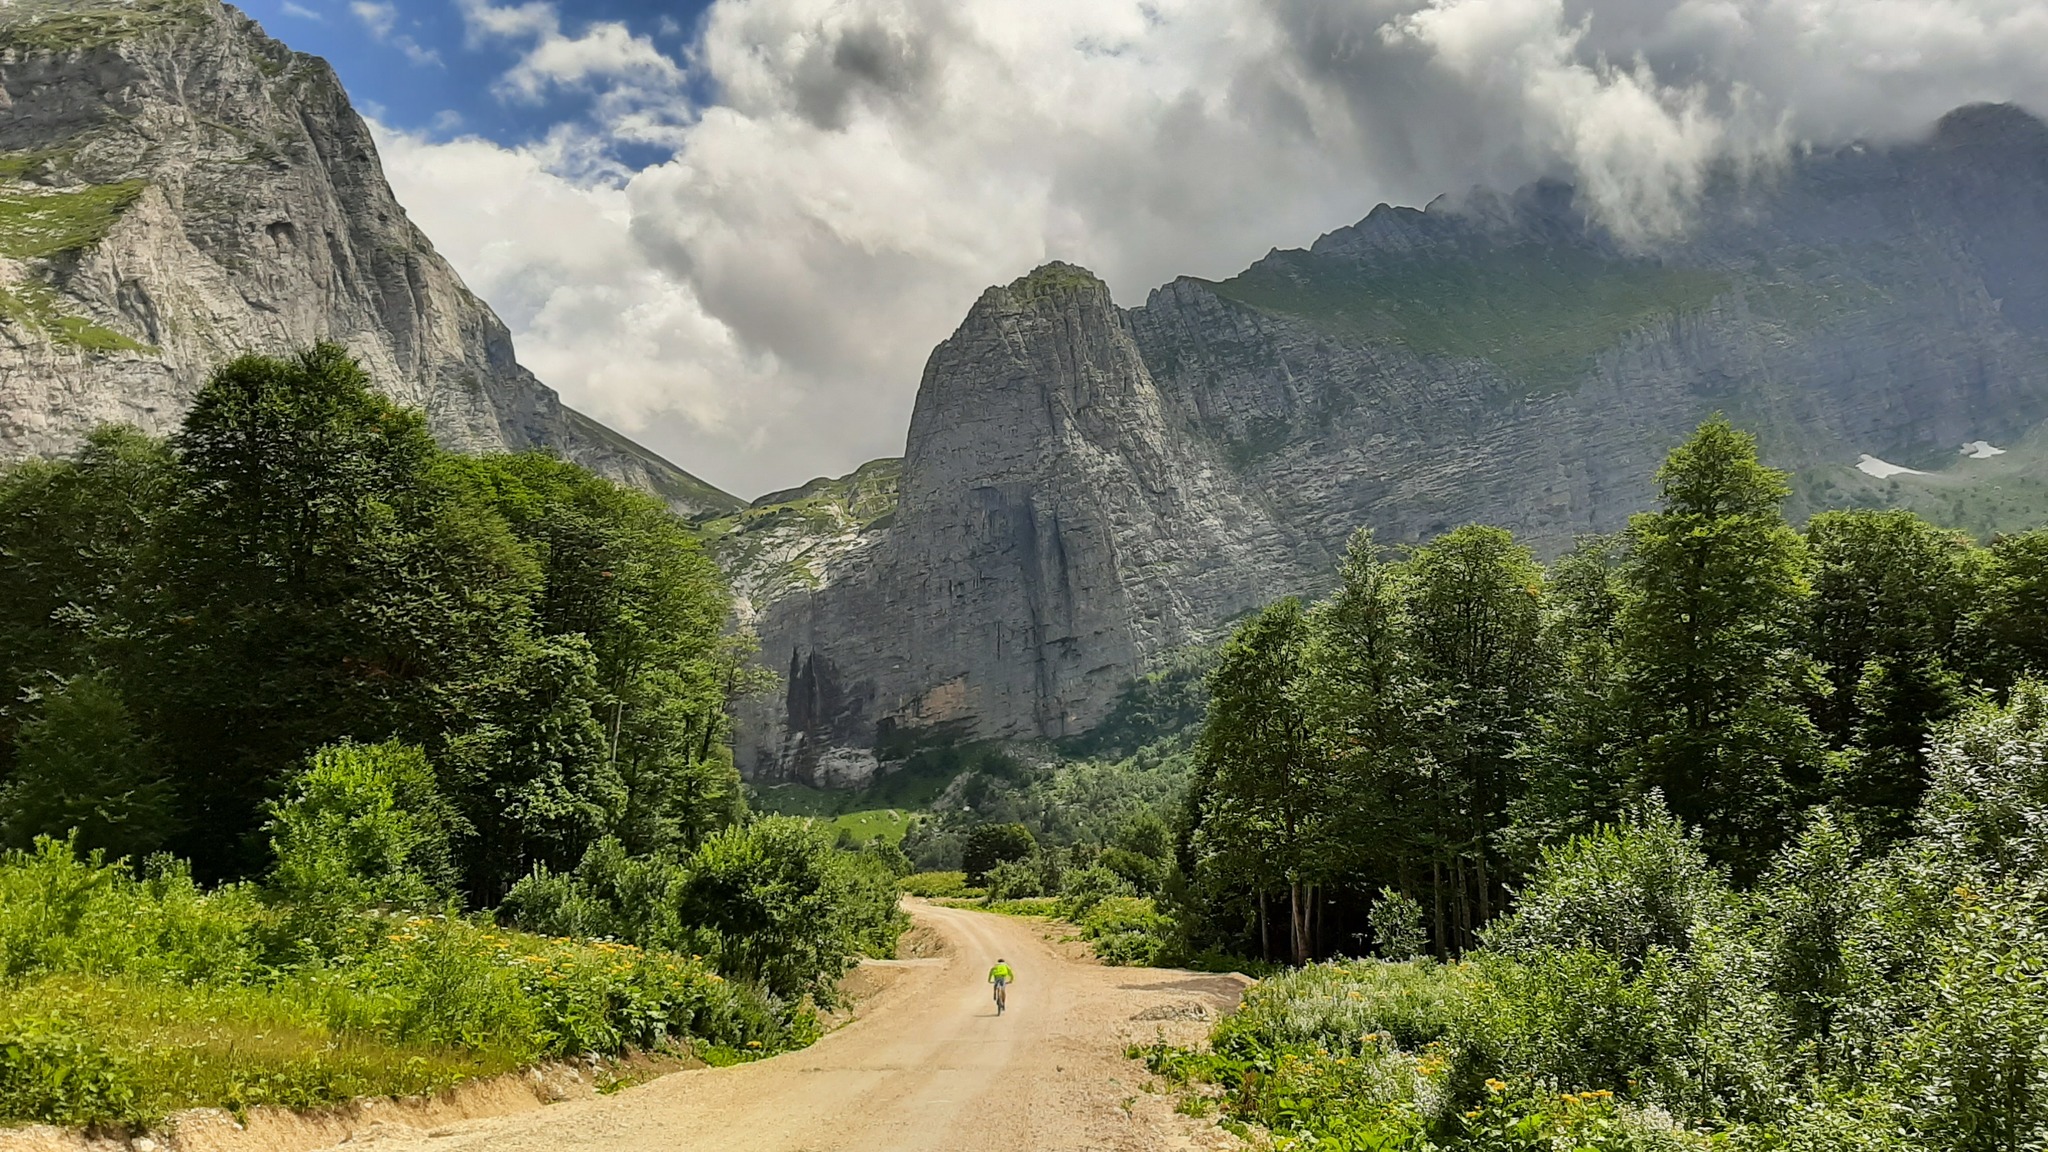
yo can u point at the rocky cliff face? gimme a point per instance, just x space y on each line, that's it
177 188
1086 489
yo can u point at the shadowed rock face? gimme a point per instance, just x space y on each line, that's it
1087 488
177 188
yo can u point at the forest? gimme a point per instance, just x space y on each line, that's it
1716 833
316 739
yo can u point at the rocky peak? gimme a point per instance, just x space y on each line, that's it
177 188
1087 488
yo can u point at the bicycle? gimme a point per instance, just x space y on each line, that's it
1002 998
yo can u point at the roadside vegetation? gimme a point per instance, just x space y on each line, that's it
1717 833
334 764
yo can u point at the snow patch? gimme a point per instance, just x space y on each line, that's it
1871 466
1981 450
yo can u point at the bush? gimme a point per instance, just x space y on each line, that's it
80 770
988 845
1015 880
1972 1073
1346 1007
1625 891
1084 889
63 914
779 905
1397 929
1627 968
1127 930
51 1071
362 825
610 894
127 998
935 885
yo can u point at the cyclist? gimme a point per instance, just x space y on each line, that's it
1000 976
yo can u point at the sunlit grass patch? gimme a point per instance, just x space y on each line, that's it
37 222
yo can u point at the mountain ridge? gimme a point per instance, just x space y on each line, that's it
176 188
1086 488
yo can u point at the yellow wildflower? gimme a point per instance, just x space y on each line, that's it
1493 1085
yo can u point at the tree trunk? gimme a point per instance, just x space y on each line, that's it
1436 898
1265 933
1298 916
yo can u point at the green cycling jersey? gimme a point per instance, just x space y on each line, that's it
1001 972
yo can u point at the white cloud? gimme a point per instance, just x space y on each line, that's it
303 12
760 305
380 19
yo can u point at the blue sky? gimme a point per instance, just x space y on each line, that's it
416 65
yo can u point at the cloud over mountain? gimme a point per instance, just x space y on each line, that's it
846 175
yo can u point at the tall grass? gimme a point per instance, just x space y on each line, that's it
124 997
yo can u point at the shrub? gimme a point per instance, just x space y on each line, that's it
1015 880
1987 799
1972 1074
778 904
1142 873
1397 929
1346 1007
127 998
935 885
1624 891
988 845
50 1070
610 894
1127 930
1084 889
1626 967
80 770
63 914
362 825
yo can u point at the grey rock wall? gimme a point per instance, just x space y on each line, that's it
1086 488
251 214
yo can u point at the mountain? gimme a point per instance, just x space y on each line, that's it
1086 489
177 188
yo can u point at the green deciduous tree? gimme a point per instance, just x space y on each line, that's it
1711 596
988 845
71 535
313 581
1271 816
1479 678
1889 623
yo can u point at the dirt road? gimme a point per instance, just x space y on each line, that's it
928 1065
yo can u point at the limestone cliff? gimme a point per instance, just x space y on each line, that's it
1085 488
177 188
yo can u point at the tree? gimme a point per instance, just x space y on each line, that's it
1474 628
1270 817
71 535
530 775
82 771
991 844
1572 757
1712 592
626 574
314 580
2013 622
1889 623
